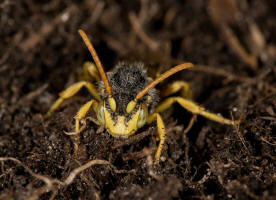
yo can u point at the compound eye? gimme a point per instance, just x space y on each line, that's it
100 113
143 115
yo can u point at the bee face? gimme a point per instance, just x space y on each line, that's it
120 113
120 125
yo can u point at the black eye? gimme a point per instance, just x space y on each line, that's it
143 115
100 113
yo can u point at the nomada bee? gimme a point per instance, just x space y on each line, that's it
126 99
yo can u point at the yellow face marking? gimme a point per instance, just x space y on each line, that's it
130 106
149 98
112 103
121 128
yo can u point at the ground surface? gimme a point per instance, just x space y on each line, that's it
234 47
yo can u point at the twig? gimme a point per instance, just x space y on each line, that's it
237 127
263 139
140 154
116 44
153 45
33 94
46 180
219 14
205 177
236 46
231 77
97 12
190 125
78 170
5 3
74 132
5 57
35 37
150 164
51 183
221 72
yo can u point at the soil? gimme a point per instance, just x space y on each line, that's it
232 44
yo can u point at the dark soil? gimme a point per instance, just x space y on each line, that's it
233 46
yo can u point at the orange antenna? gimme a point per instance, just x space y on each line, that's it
162 77
97 60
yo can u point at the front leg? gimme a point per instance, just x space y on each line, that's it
80 115
161 133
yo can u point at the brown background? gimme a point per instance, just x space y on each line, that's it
232 44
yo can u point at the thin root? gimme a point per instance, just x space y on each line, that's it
50 183
78 132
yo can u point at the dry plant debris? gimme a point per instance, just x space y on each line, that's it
233 44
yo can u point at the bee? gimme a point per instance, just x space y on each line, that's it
126 99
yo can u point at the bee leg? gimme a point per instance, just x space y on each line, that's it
175 87
80 115
71 91
82 112
185 92
195 109
90 72
161 133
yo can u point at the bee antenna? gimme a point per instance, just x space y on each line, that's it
162 77
97 60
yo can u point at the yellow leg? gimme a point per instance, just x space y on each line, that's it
80 115
82 112
90 72
175 87
71 91
161 133
194 108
